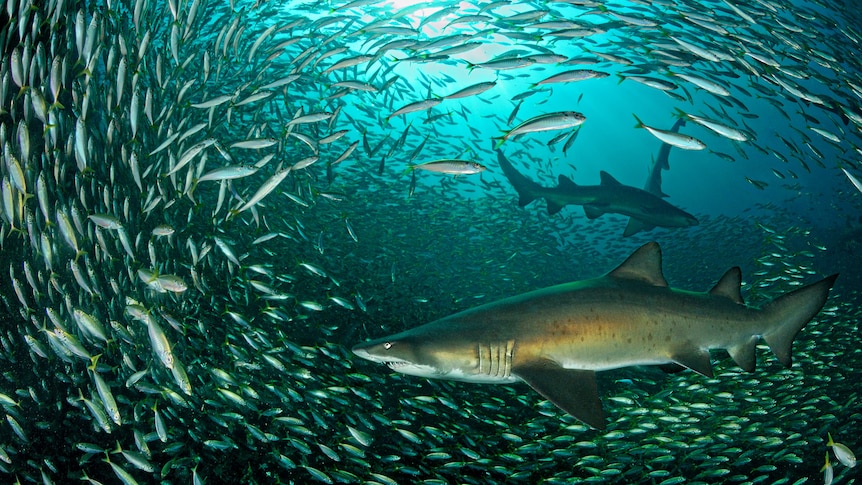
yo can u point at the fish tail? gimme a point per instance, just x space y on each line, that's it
639 122
527 189
788 313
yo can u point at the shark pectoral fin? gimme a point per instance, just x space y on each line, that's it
574 391
743 354
635 226
592 212
695 359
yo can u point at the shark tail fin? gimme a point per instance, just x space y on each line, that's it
790 312
527 190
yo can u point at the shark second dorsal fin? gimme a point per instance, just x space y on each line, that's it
728 286
643 265
572 390
608 179
565 183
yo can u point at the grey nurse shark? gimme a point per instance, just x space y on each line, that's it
556 338
645 207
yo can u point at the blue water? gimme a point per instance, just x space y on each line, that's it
339 253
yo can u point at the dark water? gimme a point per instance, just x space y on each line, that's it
225 344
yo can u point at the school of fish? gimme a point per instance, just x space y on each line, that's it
205 204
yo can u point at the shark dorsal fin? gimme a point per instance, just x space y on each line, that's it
566 182
643 265
728 285
608 179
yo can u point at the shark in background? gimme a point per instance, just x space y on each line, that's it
645 207
556 338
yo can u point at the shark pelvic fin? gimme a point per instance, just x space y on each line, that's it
592 212
643 265
574 391
728 286
695 359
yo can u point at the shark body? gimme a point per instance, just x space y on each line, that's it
645 207
556 338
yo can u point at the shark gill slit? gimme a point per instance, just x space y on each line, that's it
495 358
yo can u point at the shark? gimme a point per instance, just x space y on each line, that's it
645 207
555 339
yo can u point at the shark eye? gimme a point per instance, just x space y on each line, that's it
387 345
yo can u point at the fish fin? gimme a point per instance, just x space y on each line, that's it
671 368
743 354
608 179
592 212
553 207
788 313
527 189
639 122
572 390
564 182
643 265
728 286
695 359
635 226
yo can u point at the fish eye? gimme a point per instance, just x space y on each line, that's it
387 345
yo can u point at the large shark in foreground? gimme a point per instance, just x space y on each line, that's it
555 338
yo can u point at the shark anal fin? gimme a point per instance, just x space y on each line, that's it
572 390
695 359
643 265
743 354
728 286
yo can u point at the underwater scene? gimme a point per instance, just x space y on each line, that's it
225 224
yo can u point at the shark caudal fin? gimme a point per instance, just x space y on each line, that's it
788 313
527 190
